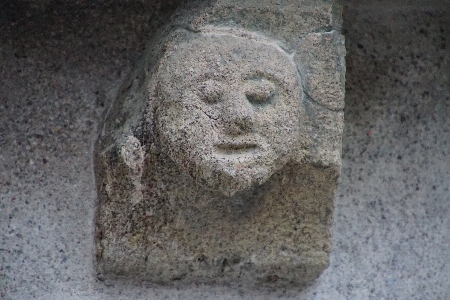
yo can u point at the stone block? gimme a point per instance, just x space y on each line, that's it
219 158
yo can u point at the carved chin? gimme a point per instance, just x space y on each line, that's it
227 179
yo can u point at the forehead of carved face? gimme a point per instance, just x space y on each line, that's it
231 110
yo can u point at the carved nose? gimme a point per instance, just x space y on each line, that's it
237 115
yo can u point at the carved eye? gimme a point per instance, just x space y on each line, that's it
259 91
210 91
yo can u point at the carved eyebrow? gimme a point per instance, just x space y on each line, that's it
210 75
257 75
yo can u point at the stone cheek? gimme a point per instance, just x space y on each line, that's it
221 167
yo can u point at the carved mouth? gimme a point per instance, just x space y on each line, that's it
236 148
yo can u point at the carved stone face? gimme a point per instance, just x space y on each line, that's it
231 110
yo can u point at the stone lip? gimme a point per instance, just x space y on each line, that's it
236 148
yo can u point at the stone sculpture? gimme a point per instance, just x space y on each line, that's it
217 162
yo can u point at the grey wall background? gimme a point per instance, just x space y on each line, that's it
391 234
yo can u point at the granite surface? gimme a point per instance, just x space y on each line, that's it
392 218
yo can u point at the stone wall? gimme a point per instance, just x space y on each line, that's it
60 64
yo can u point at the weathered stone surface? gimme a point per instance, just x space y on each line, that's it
219 159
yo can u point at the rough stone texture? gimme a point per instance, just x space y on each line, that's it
218 161
390 230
